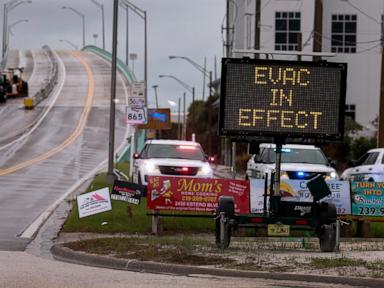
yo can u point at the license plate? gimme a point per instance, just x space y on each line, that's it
278 230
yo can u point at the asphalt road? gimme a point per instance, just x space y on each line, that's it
72 140
13 118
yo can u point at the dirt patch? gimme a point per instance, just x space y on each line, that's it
356 258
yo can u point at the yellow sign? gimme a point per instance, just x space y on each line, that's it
278 230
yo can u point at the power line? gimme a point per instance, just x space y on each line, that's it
362 12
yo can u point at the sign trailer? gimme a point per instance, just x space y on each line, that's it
282 99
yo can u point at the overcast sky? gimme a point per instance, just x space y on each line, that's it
189 28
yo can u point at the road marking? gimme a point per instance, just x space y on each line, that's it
32 229
29 129
75 134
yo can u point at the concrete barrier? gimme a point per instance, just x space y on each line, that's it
48 85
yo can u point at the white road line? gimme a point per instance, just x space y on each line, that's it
62 76
31 231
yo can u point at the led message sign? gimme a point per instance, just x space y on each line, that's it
289 98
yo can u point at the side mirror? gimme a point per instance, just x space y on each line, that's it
136 155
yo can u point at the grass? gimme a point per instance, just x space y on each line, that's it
129 218
326 263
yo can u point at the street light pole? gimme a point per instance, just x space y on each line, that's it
143 15
111 176
189 89
207 74
12 25
10 5
70 43
82 18
157 101
101 6
126 7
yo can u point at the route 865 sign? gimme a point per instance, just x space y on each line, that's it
136 115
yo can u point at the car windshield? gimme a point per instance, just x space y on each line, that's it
290 155
191 152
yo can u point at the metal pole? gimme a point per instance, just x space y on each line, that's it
205 69
210 115
157 101
178 121
184 118
5 14
83 18
127 37
110 175
145 57
102 16
257 26
133 150
318 28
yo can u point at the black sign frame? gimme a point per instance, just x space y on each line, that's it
294 134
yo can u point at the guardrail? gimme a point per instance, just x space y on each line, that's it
49 84
140 135
108 56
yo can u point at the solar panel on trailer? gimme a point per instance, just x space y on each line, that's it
290 98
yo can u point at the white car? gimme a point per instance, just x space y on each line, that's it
370 167
297 162
170 158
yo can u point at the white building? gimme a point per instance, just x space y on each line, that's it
350 28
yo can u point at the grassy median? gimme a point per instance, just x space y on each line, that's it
129 218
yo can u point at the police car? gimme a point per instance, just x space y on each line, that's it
301 162
170 158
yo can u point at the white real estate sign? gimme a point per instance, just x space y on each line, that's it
94 202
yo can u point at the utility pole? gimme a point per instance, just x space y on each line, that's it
299 44
380 132
257 26
178 121
184 118
318 29
110 175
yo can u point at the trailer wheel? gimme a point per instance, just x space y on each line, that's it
226 205
327 238
328 213
223 244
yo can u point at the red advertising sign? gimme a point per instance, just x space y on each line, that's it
195 194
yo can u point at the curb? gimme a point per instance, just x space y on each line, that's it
64 254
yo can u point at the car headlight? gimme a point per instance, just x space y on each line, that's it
331 176
206 169
284 175
150 167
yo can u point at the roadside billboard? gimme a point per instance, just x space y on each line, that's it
195 194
